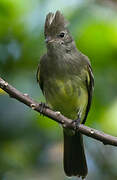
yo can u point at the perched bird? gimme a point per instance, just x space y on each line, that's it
66 79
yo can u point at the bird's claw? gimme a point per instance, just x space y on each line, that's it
76 123
43 106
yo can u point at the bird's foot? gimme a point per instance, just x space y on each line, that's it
76 123
42 107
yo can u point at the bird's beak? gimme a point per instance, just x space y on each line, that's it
48 39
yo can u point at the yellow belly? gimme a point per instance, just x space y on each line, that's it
67 96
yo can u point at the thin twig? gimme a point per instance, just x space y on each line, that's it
57 116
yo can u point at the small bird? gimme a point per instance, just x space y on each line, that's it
66 79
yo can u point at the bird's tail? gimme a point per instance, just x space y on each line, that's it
74 155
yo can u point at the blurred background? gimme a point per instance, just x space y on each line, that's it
31 145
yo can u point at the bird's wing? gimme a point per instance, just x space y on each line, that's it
90 87
38 74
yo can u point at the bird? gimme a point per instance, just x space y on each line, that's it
66 79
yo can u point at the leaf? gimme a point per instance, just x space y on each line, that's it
2 92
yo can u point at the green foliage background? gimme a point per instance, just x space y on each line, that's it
31 145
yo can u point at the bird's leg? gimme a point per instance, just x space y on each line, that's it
78 120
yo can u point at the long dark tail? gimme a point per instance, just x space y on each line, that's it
74 155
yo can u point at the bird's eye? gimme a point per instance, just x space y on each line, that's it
62 34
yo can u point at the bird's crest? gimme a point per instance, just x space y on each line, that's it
54 21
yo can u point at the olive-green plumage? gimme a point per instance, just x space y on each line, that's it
66 79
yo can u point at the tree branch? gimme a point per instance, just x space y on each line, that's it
57 116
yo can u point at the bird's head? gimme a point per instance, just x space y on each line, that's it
56 32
